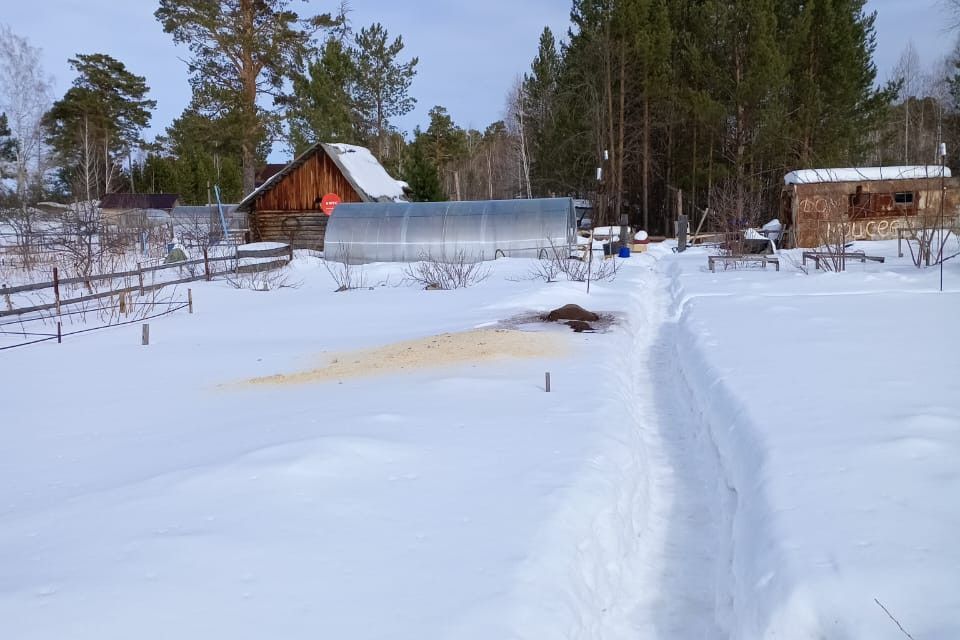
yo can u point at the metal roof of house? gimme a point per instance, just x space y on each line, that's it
864 174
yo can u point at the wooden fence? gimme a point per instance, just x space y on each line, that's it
209 272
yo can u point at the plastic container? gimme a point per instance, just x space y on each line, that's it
624 252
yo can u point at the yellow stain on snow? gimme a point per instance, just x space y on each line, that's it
468 347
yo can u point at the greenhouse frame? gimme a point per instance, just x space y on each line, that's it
472 231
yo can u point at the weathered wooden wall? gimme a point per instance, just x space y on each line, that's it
868 210
290 211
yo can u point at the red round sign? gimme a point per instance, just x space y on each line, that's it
329 203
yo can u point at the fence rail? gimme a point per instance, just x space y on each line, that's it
209 272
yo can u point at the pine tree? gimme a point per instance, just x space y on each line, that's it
321 108
8 146
382 89
98 121
241 51
539 96
196 153
833 95
422 175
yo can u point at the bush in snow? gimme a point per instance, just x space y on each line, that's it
345 275
444 273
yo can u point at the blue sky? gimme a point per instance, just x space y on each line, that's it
470 52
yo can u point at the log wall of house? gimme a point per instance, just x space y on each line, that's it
290 211
869 210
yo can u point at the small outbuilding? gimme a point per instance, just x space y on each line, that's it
294 204
137 210
871 202
471 230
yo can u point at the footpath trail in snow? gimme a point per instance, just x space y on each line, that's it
637 549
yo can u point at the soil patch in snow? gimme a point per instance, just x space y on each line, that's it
478 345
572 312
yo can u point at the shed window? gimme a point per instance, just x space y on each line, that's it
903 197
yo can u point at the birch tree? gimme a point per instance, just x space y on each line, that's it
24 98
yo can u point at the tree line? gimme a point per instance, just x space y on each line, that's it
639 100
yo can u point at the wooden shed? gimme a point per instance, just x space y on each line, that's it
871 203
293 205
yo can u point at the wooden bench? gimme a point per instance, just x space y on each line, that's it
725 260
817 256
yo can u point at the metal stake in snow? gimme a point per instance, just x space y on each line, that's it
547 385
146 335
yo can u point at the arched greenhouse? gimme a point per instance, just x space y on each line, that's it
480 230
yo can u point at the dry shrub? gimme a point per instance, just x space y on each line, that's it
446 273
734 208
261 280
346 276
556 262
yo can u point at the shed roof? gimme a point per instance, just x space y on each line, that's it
164 201
193 211
364 173
865 174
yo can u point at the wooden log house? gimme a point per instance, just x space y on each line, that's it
294 204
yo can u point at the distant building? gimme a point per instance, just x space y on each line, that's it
137 210
293 204
871 202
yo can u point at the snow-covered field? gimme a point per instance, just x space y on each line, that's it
744 454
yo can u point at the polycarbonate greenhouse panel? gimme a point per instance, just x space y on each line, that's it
480 230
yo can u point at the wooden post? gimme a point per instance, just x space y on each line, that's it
679 203
59 334
682 226
190 299
56 288
6 298
206 264
547 386
140 276
146 335
290 246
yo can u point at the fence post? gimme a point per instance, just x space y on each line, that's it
56 289
146 335
59 334
190 299
547 385
206 264
140 276
291 252
6 298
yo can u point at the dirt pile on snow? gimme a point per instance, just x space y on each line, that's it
572 312
435 351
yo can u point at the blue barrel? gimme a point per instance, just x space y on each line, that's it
624 251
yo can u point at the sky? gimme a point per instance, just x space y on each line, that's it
470 52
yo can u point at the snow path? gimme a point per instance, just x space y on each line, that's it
643 561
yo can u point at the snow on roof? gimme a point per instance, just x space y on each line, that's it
863 174
366 174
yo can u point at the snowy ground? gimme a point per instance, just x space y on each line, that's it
745 454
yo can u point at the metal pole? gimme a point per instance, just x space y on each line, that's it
943 194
